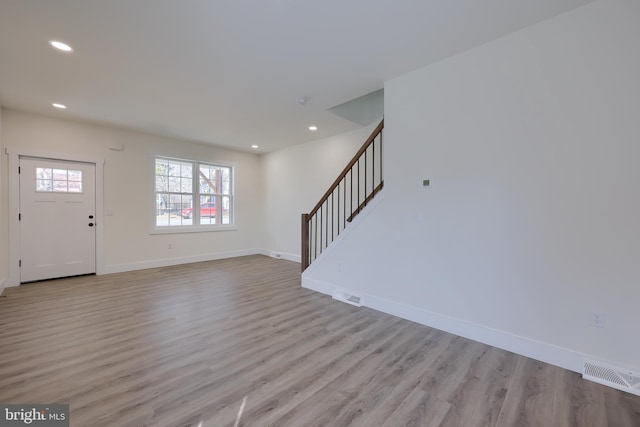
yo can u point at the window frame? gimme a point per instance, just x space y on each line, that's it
195 226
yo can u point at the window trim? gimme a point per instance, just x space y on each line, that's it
193 228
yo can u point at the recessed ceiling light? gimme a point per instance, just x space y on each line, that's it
313 128
60 106
61 46
254 146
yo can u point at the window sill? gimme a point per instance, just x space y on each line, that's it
192 229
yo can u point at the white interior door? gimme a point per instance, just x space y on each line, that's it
57 219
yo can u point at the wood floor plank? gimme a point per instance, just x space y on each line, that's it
418 409
483 392
343 391
403 391
191 345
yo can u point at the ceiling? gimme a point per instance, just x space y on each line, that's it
229 72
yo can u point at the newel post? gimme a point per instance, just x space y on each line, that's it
304 254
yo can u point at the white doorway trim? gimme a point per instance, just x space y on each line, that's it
13 278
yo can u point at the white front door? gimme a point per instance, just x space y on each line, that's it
57 219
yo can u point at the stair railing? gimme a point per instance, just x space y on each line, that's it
354 188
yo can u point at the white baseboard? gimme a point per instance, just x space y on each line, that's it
292 257
317 285
282 255
542 351
4 284
166 262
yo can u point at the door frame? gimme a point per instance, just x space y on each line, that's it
13 278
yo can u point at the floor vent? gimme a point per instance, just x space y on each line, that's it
618 378
345 296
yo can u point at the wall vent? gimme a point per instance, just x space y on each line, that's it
347 297
618 378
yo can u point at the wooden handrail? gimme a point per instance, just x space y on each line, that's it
330 215
346 170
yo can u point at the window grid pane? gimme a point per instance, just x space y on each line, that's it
58 180
226 210
179 204
208 210
215 179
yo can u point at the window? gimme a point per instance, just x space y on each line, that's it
58 180
192 194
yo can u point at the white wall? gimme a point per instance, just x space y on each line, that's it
532 145
128 183
272 190
294 180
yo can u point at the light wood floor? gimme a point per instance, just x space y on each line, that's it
187 345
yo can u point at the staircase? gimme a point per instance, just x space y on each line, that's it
354 188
